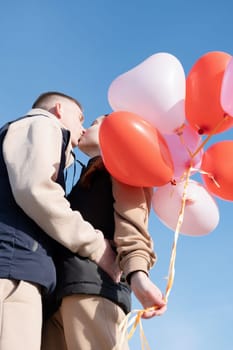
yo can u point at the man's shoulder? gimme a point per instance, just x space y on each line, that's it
36 118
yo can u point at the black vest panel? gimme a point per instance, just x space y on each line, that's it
25 250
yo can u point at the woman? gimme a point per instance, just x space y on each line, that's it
92 304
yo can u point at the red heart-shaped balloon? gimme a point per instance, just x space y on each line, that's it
133 151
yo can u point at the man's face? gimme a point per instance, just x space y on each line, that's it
89 141
72 118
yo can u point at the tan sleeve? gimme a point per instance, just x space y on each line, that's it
32 152
133 241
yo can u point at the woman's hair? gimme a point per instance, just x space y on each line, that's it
47 99
87 176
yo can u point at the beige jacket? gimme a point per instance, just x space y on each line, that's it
32 153
133 241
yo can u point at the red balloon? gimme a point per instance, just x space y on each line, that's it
217 161
203 90
133 151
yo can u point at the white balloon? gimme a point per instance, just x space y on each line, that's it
154 89
201 213
227 89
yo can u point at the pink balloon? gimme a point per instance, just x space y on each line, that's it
154 89
201 214
181 145
227 89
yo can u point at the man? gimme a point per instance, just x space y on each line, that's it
34 150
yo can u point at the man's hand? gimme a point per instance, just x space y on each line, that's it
148 294
107 262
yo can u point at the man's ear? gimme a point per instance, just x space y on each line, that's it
57 110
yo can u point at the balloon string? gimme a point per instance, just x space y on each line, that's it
127 323
143 338
171 273
133 323
209 175
225 118
183 143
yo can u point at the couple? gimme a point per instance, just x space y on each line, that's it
36 219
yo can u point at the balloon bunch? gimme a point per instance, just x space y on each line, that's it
154 137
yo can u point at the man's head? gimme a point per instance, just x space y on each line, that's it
89 141
67 109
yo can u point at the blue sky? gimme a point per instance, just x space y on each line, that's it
80 47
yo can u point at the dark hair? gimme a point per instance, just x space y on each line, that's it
45 97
